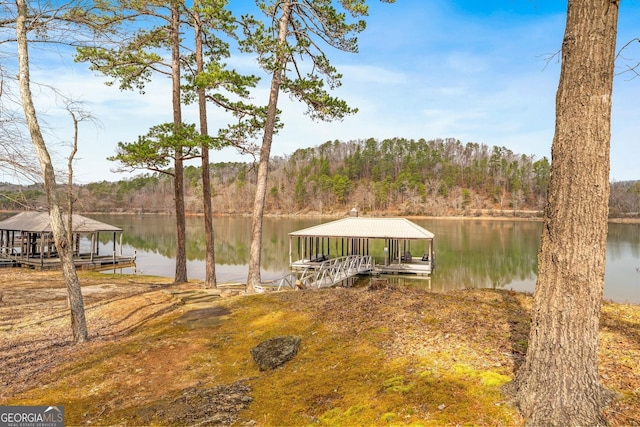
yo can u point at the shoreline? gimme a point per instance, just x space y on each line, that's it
518 216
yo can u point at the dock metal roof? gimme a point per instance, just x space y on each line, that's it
38 222
367 228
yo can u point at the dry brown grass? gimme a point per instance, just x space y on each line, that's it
384 357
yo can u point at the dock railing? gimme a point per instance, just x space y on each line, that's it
325 274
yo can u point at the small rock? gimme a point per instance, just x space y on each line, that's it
442 406
276 351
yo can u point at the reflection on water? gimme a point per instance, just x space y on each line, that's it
469 253
481 253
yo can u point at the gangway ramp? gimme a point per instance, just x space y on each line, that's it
331 272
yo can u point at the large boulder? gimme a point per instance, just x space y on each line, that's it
275 351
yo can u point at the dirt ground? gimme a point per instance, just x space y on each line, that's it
161 354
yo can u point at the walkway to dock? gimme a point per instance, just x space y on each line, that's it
307 274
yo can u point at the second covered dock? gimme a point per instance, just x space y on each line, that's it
396 245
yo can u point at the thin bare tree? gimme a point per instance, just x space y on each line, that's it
63 245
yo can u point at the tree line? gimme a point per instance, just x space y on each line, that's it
391 176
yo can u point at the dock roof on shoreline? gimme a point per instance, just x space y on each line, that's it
367 228
39 222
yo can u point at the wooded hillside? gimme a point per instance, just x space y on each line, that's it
397 176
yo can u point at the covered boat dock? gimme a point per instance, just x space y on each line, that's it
391 245
26 240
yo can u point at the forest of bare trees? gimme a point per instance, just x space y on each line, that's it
392 176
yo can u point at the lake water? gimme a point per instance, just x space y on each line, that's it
469 253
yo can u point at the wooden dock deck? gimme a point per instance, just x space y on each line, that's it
81 262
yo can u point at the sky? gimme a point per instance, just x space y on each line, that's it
478 71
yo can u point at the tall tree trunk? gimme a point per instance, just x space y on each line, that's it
178 178
254 278
558 384
63 246
210 260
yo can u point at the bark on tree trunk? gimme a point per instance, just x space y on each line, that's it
178 178
64 247
558 384
254 278
210 260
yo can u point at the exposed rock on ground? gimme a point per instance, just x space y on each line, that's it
217 406
276 351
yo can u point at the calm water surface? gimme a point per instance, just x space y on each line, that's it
469 253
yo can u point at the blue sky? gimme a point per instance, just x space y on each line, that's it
473 70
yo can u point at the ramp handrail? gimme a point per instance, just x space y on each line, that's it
326 274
